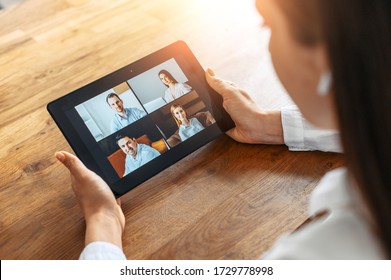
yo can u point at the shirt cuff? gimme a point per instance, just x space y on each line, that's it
293 128
100 250
300 135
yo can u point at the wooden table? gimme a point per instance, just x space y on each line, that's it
225 201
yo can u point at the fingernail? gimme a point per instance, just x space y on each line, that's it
211 72
60 156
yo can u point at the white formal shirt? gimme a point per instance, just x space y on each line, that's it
299 135
179 90
344 232
100 250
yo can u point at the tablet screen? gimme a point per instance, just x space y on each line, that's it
137 121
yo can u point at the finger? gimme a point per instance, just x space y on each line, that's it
217 82
210 72
74 165
119 202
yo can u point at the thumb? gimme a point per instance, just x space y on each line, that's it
213 81
219 85
74 165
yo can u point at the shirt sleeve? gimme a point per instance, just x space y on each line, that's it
100 250
299 135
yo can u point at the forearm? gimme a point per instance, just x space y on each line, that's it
103 227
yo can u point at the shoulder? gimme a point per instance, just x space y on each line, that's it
195 121
147 149
333 191
144 147
183 85
341 235
133 110
344 233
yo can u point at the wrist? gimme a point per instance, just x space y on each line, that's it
270 128
104 226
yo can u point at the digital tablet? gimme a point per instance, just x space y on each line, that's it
142 118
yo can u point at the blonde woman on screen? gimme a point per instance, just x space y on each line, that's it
187 127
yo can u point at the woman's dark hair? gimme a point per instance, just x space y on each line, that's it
357 36
165 72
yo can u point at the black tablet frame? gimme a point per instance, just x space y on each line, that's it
86 148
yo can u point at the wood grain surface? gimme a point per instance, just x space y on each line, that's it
225 201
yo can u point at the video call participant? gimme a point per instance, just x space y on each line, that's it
123 116
187 127
136 154
174 89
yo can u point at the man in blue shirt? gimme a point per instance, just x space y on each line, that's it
136 154
123 116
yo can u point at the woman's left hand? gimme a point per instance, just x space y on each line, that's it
102 212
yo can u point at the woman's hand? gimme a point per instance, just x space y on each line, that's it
253 125
102 212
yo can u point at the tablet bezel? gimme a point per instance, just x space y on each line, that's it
61 111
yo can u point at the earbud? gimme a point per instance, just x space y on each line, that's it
325 81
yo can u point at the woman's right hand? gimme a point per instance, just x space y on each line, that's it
253 125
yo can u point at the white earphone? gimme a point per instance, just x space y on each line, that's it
325 81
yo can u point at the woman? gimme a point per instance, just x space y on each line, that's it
174 89
333 58
187 127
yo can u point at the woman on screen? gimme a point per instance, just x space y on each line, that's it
174 89
187 127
